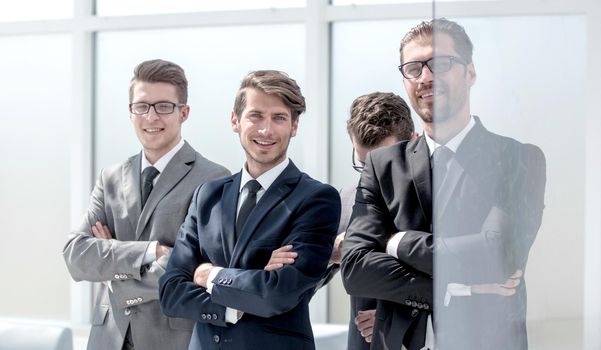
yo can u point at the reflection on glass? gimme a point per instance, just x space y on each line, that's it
492 201
374 2
35 158
140 7
29 10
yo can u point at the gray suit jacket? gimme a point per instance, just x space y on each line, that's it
116 202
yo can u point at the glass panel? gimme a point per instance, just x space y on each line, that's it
29 10
35 202
523 91
140 7
375 2
215 61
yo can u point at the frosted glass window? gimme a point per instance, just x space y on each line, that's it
520 92
29 10
215 61
35 200
374 2
139 7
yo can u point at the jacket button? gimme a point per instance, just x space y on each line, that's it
408 302
414 313
204 316
127 311
426 306
116 276
420 305
214 316
216 338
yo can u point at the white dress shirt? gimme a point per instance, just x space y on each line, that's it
160 165
265 180
453 289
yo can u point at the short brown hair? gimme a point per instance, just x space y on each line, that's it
271 82
377 116
425 30
161 71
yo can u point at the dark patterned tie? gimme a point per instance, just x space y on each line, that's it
148 176
248 205
440 163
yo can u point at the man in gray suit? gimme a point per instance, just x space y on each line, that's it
136 208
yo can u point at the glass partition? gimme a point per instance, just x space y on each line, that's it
35 158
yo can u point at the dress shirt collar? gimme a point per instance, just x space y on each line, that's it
161 164
267 178
452 144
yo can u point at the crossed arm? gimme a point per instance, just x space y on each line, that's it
262 292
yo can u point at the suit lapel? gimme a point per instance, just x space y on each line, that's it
176 169
470 150
280 188
419 162
229 204
131 191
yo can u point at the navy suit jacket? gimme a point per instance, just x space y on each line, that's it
294 210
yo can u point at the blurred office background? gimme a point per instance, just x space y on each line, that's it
66 64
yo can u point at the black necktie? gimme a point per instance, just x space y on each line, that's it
148 176
440 163
248 205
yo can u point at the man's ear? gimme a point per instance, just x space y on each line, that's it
471 74
234 122
185 112
294 127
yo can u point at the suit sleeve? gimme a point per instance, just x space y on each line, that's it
179 296
145 289
268 293
367 270
512 223
98 260
507 232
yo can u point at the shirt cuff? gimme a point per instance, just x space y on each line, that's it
456 290
210 279
393 244
232 315
151 253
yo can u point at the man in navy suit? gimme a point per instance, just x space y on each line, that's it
217 273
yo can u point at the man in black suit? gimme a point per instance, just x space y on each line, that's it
460 194
217 274
376 120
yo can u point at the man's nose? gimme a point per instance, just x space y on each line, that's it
265 127
426 75
152 114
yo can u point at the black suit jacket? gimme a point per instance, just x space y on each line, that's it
485 217
295 210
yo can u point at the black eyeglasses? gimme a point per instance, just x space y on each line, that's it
437 64
140 108
358 168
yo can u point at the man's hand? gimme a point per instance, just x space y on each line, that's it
506 289
101 231
162 250
337 250
280 257
201 274
365 323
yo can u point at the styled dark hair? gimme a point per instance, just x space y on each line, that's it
161 71
271 82
377 116
424 32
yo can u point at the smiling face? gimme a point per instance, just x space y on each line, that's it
444 97
158 134
265 128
